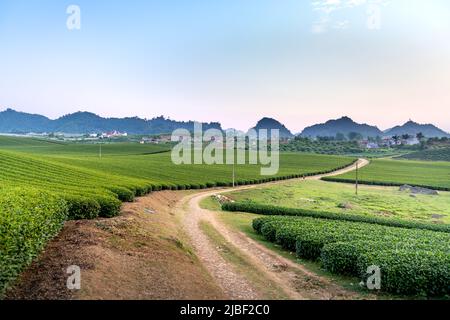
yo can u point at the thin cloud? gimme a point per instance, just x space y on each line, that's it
325 8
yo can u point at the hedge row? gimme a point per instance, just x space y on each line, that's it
28 219
412 261
383 183
82 206
424 273
270 210
428 267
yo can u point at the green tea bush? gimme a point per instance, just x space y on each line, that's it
348 248
262 209
29 218
123 194
109 206
342 257
410 272
82 208
384 183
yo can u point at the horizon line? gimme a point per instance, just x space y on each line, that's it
219 122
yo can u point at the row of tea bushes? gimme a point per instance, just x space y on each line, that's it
28 219
269 210
412 261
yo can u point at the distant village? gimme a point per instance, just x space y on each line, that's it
405 140
366 143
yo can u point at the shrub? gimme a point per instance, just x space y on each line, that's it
342 257
268 230
257 224
123 194
412 261
109 206
28 220
82 208
141 191
411 272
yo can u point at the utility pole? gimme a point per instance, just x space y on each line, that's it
234 173
100 151
356 180
234 158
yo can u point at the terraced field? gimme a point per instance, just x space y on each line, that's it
435 175
91 176
127 170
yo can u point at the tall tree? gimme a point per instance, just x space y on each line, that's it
405 136
420 136
354 136
396 138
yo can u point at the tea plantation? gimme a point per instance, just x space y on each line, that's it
434 175
43 183
412 261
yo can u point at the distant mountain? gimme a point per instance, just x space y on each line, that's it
12 121
270 124
413 128
344 125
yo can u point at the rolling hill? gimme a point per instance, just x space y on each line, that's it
413 128
12 121
271 124
344 125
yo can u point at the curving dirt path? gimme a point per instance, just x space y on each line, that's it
294 280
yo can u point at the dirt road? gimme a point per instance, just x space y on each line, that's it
295 281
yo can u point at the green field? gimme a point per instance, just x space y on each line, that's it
62 149
330 147
340 198
74 169
48 182
435 175
439 154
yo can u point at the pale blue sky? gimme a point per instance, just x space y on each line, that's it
232 61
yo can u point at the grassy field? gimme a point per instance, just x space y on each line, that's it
341 198
396 172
